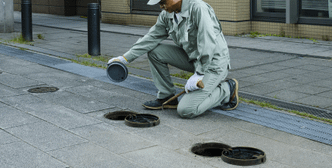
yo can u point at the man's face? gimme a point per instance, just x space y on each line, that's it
169 5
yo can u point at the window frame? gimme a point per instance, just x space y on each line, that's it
281 18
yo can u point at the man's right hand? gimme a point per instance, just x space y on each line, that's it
119 59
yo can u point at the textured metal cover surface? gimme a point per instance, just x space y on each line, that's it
243 156
43 90
142 120
117 71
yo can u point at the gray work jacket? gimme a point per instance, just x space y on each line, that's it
198 32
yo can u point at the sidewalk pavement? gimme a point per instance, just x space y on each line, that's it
67 128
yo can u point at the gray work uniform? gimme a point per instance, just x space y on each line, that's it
200 47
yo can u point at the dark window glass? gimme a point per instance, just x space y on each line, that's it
269 10
316 8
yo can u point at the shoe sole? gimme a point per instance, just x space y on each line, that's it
158 108
235 95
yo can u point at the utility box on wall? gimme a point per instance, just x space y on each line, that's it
6 16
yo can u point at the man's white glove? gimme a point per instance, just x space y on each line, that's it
191 84
119 58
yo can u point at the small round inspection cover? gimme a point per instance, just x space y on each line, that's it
117 71
142 120
118 115
244 156
43 89
211 149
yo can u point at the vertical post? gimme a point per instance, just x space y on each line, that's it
292 11
93 29
26 19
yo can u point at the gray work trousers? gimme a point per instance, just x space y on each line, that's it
192 104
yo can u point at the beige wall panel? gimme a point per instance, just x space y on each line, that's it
39 2
57 10
293 30
121 6
144 20
17 7
40 9
235 28
57 2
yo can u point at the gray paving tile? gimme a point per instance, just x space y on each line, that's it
260 89
6 138
327 94
10 117
309 89
75 102
110 137
311 67
161 157
90 155
16 81
316 101
59 78
287 95
167 136
45 136
302 78
63 117
8 91
294 71
23 102
19 154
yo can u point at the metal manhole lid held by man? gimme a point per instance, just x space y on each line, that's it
200 48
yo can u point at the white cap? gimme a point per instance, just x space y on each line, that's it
153 2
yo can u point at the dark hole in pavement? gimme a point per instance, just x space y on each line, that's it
244 156
43 90
211 149
118 115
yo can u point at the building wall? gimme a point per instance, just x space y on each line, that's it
58 7
234 16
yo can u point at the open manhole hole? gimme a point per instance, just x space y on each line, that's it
43 89
211 149
142 120
243 156
118 115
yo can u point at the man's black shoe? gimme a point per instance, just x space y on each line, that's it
234 98
157 104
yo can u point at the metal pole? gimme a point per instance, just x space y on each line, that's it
26 18
93 29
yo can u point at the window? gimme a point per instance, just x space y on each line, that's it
314 12
269 10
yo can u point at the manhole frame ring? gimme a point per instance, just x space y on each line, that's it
142 125
244 162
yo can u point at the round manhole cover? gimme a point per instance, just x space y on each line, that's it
118 115
43 89
142 120
243 156
211 149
